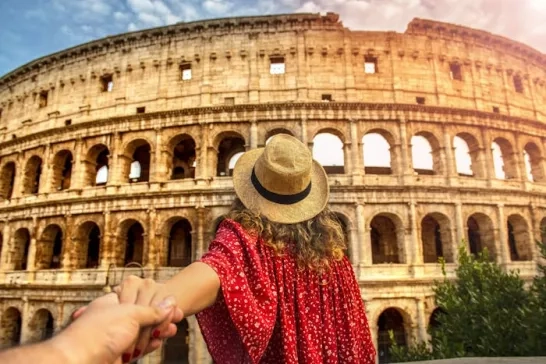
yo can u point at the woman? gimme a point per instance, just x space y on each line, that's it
275 286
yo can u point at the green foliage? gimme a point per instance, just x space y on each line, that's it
486 312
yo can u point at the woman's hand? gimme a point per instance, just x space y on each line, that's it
147 292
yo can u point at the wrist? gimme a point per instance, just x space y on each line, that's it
67 350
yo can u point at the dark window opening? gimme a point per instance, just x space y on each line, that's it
140 110
518 84
42 100
496 109
277 66
107 83
512 243
179 254
93 248
57 251
135 244
326 97
420 100
68 122
456 71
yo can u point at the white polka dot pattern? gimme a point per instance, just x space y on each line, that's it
269 311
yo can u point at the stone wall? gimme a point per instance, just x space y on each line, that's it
90 182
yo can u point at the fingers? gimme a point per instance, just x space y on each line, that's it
145 294
78 312
128 290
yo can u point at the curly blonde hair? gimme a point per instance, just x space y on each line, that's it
315 242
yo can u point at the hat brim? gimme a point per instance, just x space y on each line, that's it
304 210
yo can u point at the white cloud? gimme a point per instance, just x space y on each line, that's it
151 13
521 20
86 28
217 7
119 16
132 27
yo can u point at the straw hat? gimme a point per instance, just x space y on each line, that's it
281 181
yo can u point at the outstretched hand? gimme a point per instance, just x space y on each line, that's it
106 328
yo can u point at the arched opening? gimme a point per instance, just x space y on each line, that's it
96 166
7 181
519 241
377 154
21 247
136 164
176 349
384 233
179 253
467 155
228 147
425 154
504 160
436 238
134 244
434 321
10 328
328 151
533 163
42 325
87 245
62 170
183 161
389 320
33 172
274 132
49 248
481 235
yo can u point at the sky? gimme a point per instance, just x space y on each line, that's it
33 28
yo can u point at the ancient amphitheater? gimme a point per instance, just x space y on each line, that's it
116 157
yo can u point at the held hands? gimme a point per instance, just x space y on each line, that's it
147 292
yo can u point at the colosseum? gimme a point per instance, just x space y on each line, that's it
115 158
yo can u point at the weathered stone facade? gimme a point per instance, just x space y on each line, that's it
117 153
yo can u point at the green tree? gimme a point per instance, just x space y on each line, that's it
486 312
537 316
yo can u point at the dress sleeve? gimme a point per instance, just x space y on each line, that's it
238 327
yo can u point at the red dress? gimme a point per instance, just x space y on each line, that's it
272 312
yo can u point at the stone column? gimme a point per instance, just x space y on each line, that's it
45 178
486 160
356 154
26 333
158 171
365 243
536 233
347 159
19 179
78 168
31 260
460 229
151 245
7 246
106 248
416 246
303 130
354 246
449 156
502 242
200 227
201 169
70 256
253 135
114 173
405 162
421 320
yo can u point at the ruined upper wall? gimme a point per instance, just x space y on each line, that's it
230 63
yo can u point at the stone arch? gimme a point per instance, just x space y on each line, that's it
468 155
176 349
504 159
135 163
42 325
533 163
397 321
10 328
97 166
378 152
61 170
481 234
229 144
329 151
7 180
387 238
49 248
33 173
132 241
345 226
21 247
183 161
436 238
271 133
426 154
87 243
519 240
179 243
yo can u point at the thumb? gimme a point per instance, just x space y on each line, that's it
147 315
